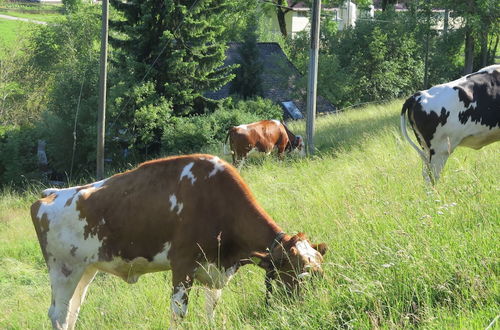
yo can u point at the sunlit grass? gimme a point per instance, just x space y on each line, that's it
401 254
10 31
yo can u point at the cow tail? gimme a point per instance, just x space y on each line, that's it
225 141
407 106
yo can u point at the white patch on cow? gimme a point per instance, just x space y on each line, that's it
179 208
218 166
306 250
212 276
491 68
162 257
178 303
186 172
243 127
433 99
99 184
174 204
66 231
277 122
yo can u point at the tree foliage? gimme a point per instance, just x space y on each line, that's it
248 80
179 46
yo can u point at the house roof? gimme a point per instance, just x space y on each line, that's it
279 78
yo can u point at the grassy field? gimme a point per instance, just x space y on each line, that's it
10 31
400 253
35 11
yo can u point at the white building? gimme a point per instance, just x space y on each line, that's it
297 20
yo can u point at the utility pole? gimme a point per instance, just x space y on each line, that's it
312 78
101 115
427 37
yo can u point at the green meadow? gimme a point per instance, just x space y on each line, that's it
401 254
34 11
10 31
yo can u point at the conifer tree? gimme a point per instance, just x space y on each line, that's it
248 80
175 44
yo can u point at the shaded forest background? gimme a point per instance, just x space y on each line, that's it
164 55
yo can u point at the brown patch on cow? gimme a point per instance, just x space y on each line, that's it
50 198
65 270
41 224
87 186
69 201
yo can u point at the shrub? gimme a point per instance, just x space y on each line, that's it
18 154
184 135
200 133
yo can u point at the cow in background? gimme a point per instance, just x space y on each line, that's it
464 112
262 136
191 214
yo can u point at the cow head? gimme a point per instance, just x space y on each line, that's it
298 144
293 261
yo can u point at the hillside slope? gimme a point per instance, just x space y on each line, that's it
400 253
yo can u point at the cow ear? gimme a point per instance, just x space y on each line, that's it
262 260
321 248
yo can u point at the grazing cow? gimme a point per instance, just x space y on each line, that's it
191 214
464 112
262 136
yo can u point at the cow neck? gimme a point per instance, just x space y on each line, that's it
291 136
263 234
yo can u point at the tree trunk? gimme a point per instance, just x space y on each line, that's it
493 50
387 3
446 21
469 51
484 47
280 13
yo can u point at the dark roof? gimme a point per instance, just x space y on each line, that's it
279 77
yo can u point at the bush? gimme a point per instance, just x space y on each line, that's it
18 155
184 135
200 133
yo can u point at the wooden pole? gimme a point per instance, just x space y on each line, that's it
312 79
427 37
101 114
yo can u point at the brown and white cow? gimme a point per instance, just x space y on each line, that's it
464 112
191 214
263 136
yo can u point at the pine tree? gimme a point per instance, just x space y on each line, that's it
248 80
175 44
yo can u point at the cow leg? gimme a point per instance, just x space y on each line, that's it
437 162
79 295
182 283
240 159
212 296
281 152
64 282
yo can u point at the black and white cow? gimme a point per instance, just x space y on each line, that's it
464 112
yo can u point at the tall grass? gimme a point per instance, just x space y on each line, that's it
401 254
